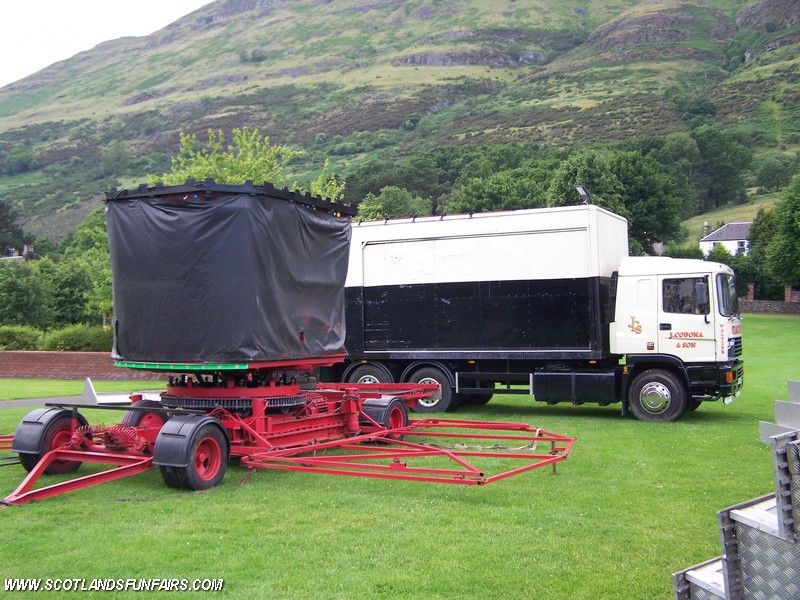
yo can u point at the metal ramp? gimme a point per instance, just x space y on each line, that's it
760 538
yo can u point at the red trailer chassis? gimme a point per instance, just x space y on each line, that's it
269 421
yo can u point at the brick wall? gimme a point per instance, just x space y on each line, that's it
68 365
769 306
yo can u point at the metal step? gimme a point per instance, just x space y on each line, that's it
768 565
794 392
701 582
760 545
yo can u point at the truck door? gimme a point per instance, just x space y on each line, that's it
685 320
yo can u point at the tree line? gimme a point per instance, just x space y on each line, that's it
654 183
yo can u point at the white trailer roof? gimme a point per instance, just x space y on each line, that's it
551 243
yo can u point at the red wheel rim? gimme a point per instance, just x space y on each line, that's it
151 421
207 458
61 440
396 418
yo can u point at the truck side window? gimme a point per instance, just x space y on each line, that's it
686 295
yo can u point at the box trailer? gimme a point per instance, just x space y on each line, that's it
544 302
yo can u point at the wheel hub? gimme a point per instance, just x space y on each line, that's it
434 399
655 398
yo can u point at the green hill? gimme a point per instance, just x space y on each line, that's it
359 79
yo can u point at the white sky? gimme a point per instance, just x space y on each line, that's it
34 34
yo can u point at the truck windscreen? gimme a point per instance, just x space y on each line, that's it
726 292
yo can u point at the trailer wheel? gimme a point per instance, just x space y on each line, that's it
171 477
369 374
207 459
150 419
441 401
657 395
396 417
56 428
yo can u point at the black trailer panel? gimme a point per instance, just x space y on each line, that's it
217 273
545 319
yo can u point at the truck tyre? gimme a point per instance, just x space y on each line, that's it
657 395
441 401
369 374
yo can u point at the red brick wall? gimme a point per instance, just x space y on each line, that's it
68 365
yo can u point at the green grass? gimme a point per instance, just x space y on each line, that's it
634 503
732 213
16 389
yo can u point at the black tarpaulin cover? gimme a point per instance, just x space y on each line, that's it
225 277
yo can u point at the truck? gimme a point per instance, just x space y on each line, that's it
544 302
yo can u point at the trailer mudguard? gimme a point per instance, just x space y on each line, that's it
30 433
377 409
174 442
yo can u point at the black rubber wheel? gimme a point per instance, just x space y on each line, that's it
474 399
208 459
149 419
657 395
170 477
57 433
441 401
369 374
396 416
693 404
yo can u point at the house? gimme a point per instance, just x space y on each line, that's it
734 236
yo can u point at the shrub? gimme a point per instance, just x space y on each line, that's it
78 338
19 337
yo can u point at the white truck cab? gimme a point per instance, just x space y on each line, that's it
677 319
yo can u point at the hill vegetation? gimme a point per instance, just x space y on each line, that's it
452 102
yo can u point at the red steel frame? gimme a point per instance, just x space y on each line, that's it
326 435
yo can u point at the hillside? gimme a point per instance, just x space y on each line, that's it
356 79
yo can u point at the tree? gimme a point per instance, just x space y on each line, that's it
327 185
87 252
26 296
773 174
11 235
753 268
115 159
506 190
679 157
719 253
591 169
721 170
650 199
783 252
393 202
20 160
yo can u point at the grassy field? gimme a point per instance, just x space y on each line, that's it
732 213
634 503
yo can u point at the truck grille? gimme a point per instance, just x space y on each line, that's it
734 347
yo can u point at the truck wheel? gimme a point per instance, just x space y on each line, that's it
474 399
443 400
657 395
369 374
149 419
477 399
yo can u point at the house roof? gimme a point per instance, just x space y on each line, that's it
729 232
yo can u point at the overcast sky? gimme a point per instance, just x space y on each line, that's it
37 33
